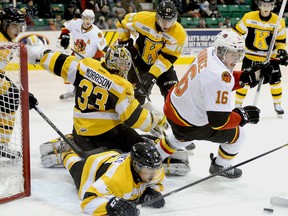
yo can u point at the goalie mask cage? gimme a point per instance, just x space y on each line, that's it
14 122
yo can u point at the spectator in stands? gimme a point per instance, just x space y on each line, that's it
105 11
111 22
227 23
71 12
44 9
204 8
191 8
99 4
118 10
241 2
57 23
28 19
134 3
221 25
214 9
31 10
101 24
202 23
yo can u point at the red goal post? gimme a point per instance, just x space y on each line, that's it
15 179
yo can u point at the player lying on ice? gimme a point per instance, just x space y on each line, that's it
106 111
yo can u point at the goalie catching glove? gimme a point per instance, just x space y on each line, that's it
249 114
250 75
35 49
118 206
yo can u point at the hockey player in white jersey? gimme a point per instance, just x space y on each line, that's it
199 107
88 41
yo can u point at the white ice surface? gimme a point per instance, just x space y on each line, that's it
53 192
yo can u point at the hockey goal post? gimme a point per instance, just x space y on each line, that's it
15 179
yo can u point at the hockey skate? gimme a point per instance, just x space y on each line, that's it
278 109
8 153
215 168
66 96
177 164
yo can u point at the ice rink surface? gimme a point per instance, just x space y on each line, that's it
53 192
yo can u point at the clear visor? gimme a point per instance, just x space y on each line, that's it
235 56
88 21
21 27
147 174
164 23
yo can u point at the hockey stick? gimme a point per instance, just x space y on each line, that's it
75 148
139 78
271 46
213 175
77 53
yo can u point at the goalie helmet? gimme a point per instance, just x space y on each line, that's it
119 60
146 161
88 18
166 14
229 40
11 15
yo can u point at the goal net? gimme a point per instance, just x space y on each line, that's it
14 122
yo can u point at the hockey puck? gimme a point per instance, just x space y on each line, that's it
268 210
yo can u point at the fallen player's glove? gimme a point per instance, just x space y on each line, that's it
118 206
150 194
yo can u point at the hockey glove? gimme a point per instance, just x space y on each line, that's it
35 49
248 76
150 194
119 207
249 114
65 40
147 83
32 101
158 124
283 57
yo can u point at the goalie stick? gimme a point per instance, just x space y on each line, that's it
75 148
213 175
271 46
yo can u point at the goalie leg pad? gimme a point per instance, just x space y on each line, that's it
177 164
52 161
55 146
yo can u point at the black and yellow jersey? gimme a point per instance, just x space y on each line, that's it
117 180
158 49
258 34
4 53
103 100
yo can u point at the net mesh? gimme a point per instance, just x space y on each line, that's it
11 110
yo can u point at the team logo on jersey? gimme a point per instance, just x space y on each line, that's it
226 77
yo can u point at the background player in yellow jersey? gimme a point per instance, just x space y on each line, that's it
112 184
12 23
258 27
159 41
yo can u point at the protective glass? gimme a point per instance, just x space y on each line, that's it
147 174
